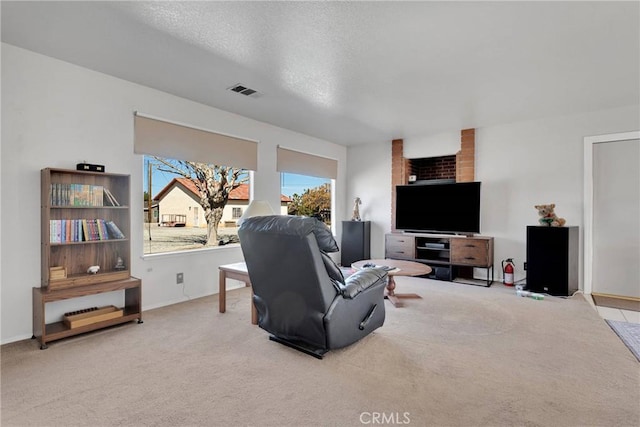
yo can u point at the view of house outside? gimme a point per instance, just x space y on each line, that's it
175 219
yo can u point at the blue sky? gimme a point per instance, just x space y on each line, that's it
290 183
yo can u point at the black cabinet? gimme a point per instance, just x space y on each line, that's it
356 242
552 260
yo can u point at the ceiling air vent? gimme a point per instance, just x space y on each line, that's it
243 90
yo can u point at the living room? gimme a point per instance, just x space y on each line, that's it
56 114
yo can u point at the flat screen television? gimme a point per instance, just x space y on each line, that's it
438 208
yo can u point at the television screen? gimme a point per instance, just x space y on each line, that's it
439 208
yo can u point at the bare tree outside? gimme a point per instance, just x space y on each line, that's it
214 183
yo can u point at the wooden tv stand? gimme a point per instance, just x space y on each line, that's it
451 257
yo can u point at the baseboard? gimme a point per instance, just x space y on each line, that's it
16 339
472 281
616 301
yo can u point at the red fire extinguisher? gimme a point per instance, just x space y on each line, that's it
508 268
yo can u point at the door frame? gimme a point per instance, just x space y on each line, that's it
589 142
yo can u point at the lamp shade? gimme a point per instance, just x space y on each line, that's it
256 208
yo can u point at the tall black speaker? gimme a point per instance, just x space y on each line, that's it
356 242
552 260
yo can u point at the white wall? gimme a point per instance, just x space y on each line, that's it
442 144
519 164
369 177
55 114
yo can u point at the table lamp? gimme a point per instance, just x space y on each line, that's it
256 208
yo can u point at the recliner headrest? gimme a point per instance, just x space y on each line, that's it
293 225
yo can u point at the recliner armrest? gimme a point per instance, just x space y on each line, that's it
362 280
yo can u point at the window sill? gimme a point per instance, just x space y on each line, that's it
189 252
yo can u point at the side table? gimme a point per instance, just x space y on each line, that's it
236 271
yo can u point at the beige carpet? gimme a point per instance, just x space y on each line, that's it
461 356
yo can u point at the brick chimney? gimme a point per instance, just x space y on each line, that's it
466 157
399 174
463 169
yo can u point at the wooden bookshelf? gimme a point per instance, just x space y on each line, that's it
67 200
47 332
79 210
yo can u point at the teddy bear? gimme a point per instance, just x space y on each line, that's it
548 217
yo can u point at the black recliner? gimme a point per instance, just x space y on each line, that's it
300 294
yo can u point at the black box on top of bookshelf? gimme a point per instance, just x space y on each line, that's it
89 167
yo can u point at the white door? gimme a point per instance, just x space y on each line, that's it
612 244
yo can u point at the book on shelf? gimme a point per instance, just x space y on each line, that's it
93 230
108 200
76 195
55 235
101 228
98 230
66 229
85 230
97 195
114 230
82 230
110 197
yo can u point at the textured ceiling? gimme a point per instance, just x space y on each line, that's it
355 72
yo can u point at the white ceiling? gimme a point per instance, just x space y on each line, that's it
355 72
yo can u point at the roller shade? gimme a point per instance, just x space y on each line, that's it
306 164
164 139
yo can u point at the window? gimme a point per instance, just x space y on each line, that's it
307 195
183 208
179 221
307 182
